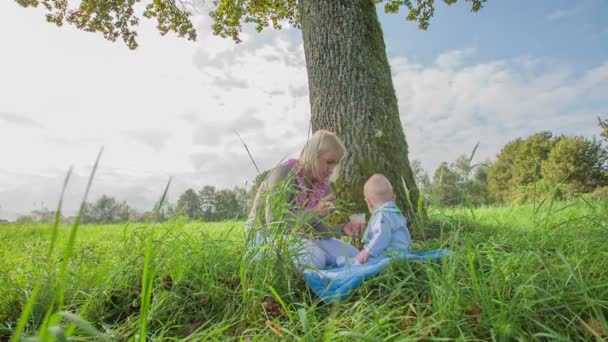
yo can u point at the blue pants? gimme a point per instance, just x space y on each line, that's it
317 253
321 253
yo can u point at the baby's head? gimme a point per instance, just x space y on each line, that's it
377 190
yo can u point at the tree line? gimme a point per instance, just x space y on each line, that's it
207 204
527 169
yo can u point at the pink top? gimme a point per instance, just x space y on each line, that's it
308 198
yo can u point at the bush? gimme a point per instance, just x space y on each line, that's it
599 194
539 191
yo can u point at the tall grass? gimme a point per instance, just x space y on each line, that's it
528 272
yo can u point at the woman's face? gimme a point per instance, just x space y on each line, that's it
326 162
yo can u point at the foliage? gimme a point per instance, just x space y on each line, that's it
548 167
119 19
501 172
517 165
231 204
42 215
189 205
461 183
578 163
604 126
421 177
599 194
530 156
230 15
107 210
445 190
208 202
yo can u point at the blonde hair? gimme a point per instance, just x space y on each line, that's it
321 141
378 188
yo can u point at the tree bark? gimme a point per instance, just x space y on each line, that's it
352 94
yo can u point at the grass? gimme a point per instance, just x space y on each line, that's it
517 273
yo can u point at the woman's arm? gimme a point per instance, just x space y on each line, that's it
261 210
277 191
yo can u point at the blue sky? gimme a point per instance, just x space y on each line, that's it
571 32
170 108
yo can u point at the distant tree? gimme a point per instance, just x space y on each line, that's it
444 190
421 177
105 210
604 126
472 181
25 219
170 211
242 198
151 216
208 200
158 213
87 213
530 156
500 174
43 215
579 164
123 213
517 166
189 205
227 205
479 185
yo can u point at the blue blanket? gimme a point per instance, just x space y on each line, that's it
333 285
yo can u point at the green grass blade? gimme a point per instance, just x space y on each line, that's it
83 325
67 253
25 314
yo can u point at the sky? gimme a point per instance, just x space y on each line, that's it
173 108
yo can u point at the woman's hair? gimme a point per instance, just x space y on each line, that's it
322 141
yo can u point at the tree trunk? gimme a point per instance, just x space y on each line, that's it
352 94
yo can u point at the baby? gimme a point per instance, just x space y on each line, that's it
386 230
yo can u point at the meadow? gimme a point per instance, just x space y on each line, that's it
532 272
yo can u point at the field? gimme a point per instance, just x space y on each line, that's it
517 273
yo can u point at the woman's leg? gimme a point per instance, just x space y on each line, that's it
335 248
308 253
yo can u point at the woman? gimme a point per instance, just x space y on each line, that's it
303 186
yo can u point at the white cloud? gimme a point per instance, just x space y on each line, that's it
562 13
445 111
153 139
16 119
453 59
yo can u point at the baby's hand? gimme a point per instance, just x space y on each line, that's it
363 256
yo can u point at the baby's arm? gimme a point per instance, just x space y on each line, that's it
380 240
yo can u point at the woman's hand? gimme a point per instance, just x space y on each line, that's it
326 205
354 229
